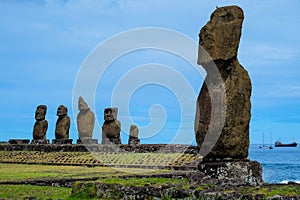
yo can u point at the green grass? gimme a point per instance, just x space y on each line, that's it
272 190
40 192
19 172
143 181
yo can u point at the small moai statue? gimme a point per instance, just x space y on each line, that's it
62 126
134 135
85 123
111 127
40 126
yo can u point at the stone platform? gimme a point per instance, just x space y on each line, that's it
233 173
85 147
62 141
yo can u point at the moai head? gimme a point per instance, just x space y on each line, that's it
82 105
110 114
62 111
40 112
220 37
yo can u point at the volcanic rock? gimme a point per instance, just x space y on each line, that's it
133 135
223 106
85 120
41 124
62 124
111 127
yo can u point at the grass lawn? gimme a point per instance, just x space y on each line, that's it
40 192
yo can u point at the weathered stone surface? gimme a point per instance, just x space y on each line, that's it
18 141
233 173
134 132
85 120
220 37
111 127
226 91
62 141
41 124
133 135
87 141
62 124
40 141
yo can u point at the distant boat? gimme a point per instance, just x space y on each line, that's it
271 147
279 144
263 145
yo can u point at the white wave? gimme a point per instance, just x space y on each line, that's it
287 181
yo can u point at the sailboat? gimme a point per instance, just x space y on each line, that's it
263 146
271 147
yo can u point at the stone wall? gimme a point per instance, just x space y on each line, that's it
143 148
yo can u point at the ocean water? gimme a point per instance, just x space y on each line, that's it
280 164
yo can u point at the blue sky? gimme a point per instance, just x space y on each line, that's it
44 43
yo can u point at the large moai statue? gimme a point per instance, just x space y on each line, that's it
40 126
85 123
225 94
111 127
133 135
62 126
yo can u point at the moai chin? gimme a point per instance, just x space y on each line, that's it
40 126
62 126
111 127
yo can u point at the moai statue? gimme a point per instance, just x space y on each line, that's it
111 127
134 135
85 123
62 126
40 126
223 106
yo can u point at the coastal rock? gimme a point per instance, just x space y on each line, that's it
133 135
111 127
41 124
226 91
232 173
62 124
85 120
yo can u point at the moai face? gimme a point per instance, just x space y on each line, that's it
40 112
62 111
110 114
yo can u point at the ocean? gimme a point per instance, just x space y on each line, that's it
280 164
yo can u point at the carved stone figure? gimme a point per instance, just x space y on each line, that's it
62 123
111 127
134 135
40 126
85 120
62 126
223 106
218 47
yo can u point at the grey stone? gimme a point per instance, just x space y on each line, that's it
85 120
233 173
